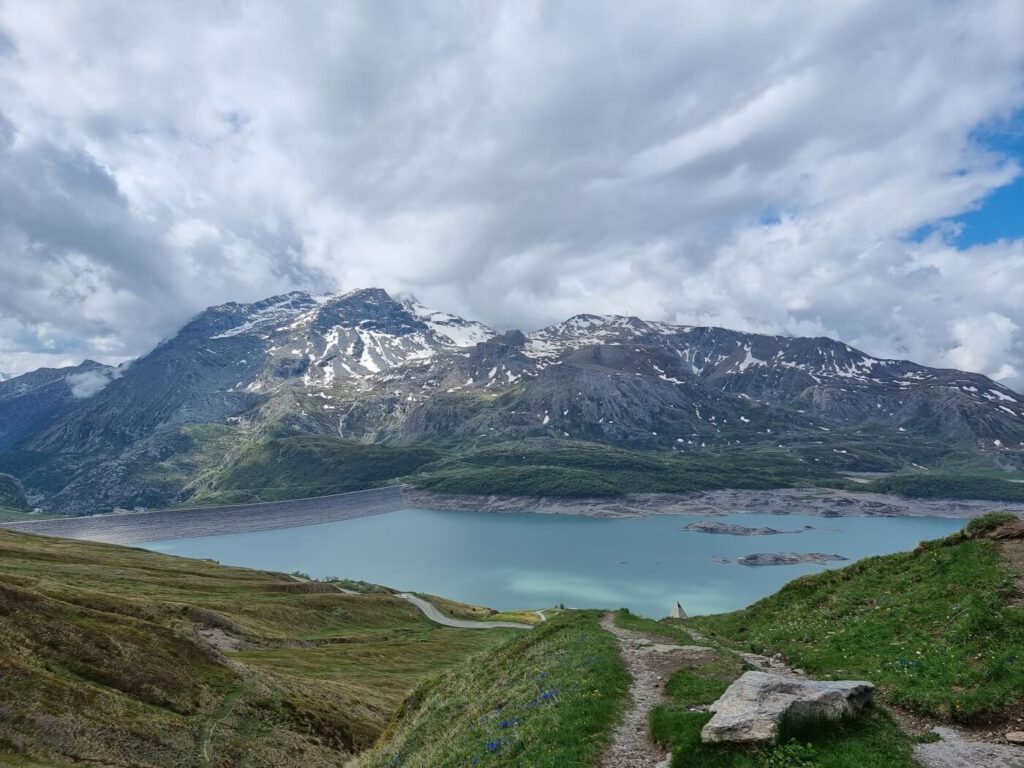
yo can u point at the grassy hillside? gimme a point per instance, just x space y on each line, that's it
940 629
12 500
547 700
574 469
300 466
121 657
212 464
873 740
947 486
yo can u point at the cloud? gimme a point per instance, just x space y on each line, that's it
89 383
985 340
513 161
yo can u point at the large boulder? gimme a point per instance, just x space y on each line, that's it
753 707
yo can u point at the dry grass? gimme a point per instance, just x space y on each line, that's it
102 660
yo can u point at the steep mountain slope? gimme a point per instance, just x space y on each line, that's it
12 498
365 367
33 402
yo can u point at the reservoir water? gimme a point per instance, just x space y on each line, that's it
511 561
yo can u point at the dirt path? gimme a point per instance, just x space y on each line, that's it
650 662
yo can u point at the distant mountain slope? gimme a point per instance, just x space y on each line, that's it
34 401
365 367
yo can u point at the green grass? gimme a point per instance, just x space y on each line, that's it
549 699
940 630
872 740
578 469
14 515
98 643
301 466
12 499
946 486
358 668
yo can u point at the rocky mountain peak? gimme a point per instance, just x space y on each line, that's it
376 368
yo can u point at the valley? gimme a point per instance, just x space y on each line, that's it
122 657
289 465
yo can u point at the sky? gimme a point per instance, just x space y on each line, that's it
850 169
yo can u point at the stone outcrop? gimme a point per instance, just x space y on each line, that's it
753 707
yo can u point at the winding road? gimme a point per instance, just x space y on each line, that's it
432 613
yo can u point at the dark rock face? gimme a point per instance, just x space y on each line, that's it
368 367
36 400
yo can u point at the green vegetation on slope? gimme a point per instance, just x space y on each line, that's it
575 469
549 699
12 501
117 656
940 629
946 486
873 740
301 466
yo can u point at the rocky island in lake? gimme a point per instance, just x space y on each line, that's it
711 526
785 558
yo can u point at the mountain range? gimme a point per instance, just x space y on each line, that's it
359 388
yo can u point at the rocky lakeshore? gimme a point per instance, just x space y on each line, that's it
210 521
823 502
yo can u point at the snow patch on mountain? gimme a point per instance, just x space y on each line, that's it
260 317
450 329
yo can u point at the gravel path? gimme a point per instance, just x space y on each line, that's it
432 613
650 662
954 751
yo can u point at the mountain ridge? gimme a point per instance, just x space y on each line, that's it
365 367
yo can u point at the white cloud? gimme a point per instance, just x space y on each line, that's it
986 341
89 383
513 161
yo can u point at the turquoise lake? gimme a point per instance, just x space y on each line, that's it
510 561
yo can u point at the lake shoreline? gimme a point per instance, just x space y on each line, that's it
815 502
175 523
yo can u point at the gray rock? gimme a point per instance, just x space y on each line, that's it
753 707
789 558
710 526
954 751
